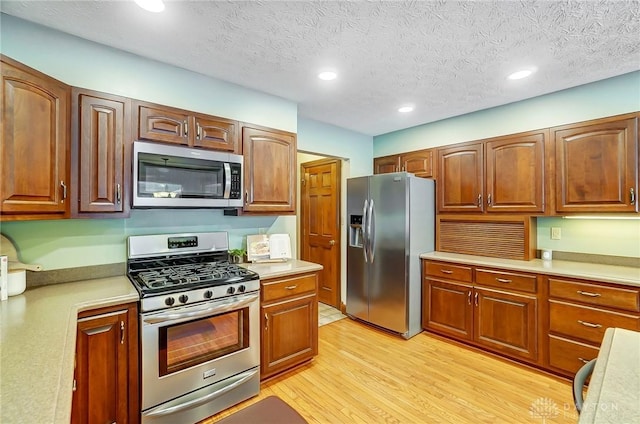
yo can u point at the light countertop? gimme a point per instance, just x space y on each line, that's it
281 269
37 346
613 395
38 339
628 276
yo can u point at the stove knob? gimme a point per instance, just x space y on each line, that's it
241 288
208 294
169 301
231 290
183 298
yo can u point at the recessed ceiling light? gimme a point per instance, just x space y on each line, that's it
155 6
405 109
327 75
521 74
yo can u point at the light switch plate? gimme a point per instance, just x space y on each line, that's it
556 233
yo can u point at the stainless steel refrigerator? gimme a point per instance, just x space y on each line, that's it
391 221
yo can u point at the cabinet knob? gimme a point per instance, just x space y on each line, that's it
332 242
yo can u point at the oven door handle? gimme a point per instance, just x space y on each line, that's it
172 408
218 308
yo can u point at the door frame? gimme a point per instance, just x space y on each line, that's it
338 214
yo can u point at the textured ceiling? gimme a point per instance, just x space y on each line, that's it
445 57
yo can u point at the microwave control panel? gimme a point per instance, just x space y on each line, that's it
235 181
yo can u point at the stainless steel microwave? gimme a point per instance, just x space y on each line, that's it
167 176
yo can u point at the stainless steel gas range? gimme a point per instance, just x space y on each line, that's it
199 326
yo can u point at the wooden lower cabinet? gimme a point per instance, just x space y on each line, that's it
289 322
503 321
106 373
579 313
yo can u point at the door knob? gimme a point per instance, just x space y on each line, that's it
332 242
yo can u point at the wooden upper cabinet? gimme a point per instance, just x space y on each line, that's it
170 125
419 163
35 144
514 169
215 133
100 154
460 178
269 170
386 164
162 123
596 165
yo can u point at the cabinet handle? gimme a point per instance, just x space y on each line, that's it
64 191
446 271
118 193
266 321
246 197
198 131
503 280
632 195
74 388
584 293
185 129
121 332
469 297
402 169
291 287
589 324
480 200
584 361
489 199
475 299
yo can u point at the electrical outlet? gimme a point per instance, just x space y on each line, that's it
556 233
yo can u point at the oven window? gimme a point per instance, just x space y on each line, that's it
170 176
195 342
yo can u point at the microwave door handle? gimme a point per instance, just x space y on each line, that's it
227 180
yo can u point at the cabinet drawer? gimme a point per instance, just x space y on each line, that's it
613 297
586 323
449 271
568 355
286 287
507 280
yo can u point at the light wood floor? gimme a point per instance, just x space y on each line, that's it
363 375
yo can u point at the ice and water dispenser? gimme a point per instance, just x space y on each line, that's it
355 231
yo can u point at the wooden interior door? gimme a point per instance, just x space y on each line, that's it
320 224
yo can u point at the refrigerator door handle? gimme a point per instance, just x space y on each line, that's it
364 231
371 231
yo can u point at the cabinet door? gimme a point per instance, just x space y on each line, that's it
515 174
506 323
419 163
460 178
596 166
35 143
386 164
447 308
216 133
100 153
290 333
102 372
167 125
269 170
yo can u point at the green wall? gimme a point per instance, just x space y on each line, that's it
71 243
608 97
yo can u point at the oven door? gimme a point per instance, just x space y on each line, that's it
187 348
